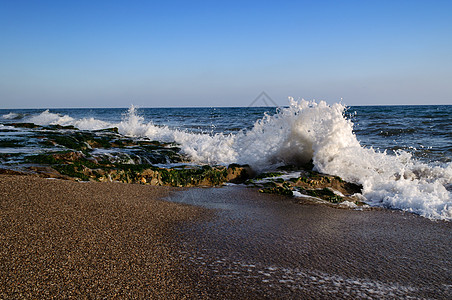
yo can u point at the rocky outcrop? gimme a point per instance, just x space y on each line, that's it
310 184
106 155
78 166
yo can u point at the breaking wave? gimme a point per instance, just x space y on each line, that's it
12 116
304 131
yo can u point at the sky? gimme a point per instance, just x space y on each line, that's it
62 54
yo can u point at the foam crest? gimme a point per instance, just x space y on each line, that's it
303 131
48 118
134 125
12 116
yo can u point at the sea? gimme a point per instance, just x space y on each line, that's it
401 155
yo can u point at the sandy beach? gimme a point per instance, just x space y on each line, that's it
62 239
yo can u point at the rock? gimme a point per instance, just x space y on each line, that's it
11 172
58 127
238 174
317 181
113 130
48 172
24 125
69 156
326 187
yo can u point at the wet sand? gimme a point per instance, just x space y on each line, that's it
267 246
61 239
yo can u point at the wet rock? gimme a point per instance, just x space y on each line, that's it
58 127
321 186
24 125
11 144
113 130
11 172
49 172
277 190
76 164
317 181
68 156
238 173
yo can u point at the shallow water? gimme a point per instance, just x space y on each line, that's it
269 246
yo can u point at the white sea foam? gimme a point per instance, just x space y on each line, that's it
295 135
348 204
11 116
48 118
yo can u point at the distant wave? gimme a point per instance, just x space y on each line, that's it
13 116
48 118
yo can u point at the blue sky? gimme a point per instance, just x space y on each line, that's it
214 53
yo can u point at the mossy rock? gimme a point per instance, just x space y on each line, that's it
268 175
59 127
205 175
24 125
99 142
71 170
11 144
109 130
277 190
325 194
42 159
68 142
238 173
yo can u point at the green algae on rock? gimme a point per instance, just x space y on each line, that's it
311 184
81 167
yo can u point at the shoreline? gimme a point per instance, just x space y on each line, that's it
64 239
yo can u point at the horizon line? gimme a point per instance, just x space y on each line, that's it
168 107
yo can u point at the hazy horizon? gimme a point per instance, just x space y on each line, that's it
207 107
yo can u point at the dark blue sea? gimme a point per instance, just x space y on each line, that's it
402 155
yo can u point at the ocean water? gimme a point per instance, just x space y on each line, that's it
402 155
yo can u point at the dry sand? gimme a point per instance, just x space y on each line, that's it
61 239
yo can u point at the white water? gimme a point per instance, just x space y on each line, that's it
11 116
48 118
303 131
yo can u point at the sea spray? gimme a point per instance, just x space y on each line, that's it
303 131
